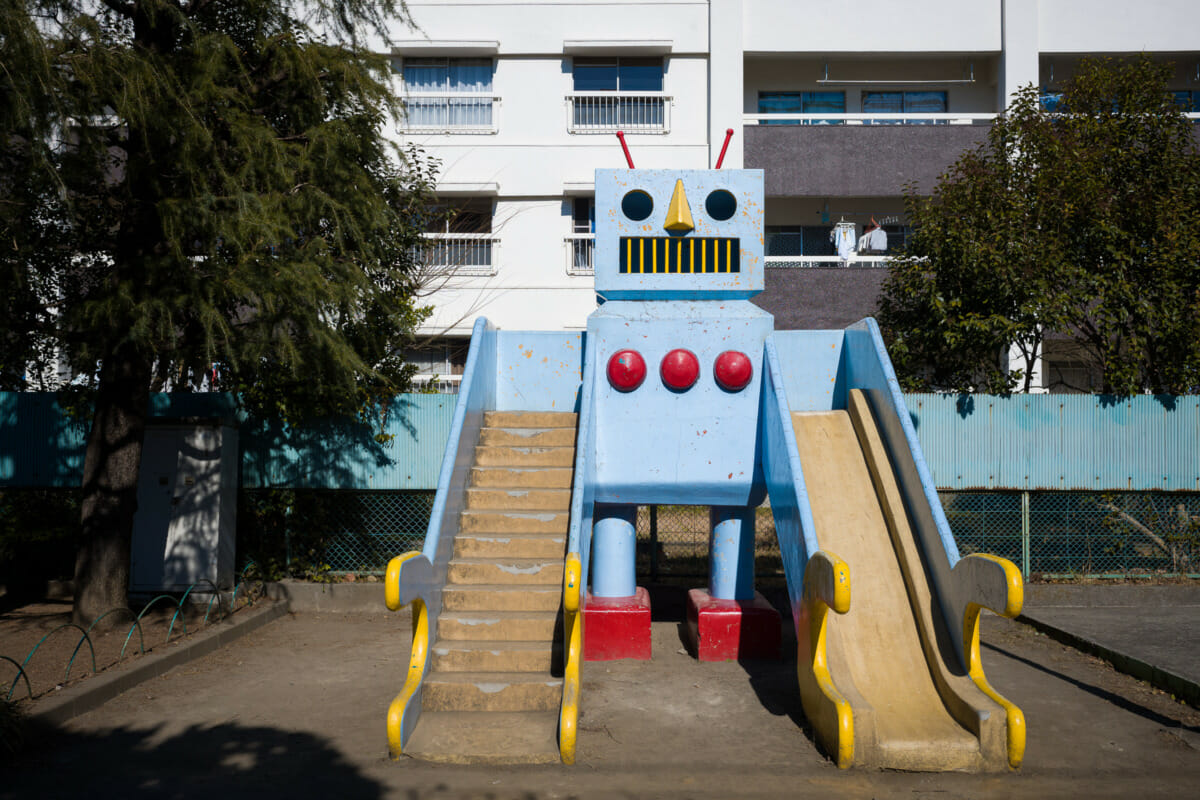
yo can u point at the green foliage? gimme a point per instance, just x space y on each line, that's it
39 529
1077 224
208 184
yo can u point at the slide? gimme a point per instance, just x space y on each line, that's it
894 694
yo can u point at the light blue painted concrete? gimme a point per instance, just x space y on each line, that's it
731 553
538 370
583 491
813 374
746 225
614 546
711 434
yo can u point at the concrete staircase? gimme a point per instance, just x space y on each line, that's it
494 687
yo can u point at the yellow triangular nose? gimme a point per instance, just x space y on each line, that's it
679 215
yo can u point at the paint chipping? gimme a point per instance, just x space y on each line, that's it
514 570
491 688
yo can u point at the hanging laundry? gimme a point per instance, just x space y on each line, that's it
843 239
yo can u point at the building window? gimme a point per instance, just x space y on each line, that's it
581 244
801 103
612 93
901 103
440 365
798 240
449 93
1187 99
459 238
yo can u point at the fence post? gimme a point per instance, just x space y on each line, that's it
1025 535
654 543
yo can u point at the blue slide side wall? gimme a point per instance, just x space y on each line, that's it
477 394
784 478
583 491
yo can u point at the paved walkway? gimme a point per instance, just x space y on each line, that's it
295 709
1150 632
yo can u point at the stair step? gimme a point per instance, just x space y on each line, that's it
524 456
498 626
491 691
488 656
538 571
519 499
528 437
501 597
486 737
514 521
522 477
506 546
529 419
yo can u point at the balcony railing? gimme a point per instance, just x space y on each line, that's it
826 262
460 253
450 113
581 251
869 119
607 112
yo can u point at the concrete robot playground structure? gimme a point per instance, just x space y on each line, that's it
681 392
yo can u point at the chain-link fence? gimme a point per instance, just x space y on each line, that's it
672 542
305 533
1078 534
308 532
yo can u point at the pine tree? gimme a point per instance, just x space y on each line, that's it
199 185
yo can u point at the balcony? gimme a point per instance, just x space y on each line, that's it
454 254
581 252
825 262
450 113
608 112
857 155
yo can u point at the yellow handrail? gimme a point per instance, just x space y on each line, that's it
418 658
826 586
1014 598
568 715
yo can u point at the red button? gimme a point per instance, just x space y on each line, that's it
626 370
680 369
733 370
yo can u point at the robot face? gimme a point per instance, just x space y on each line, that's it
679 234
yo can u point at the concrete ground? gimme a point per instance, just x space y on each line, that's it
296 709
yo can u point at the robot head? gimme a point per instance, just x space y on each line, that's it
669 234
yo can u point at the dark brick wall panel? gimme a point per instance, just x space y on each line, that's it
855 160
821 298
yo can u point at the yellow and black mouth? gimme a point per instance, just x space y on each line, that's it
682 256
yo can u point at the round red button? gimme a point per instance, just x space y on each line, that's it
733 370
680 369
626 370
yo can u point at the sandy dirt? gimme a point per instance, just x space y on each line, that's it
296 709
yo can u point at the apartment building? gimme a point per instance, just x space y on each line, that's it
841 104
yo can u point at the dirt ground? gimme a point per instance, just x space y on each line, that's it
59 655
296 709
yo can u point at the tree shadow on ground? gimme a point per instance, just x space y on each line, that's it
1123 703
224 760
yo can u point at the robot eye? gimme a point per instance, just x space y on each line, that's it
720 205
637 205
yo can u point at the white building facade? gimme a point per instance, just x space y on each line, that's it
840 103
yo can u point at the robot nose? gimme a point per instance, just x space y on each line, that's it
679 214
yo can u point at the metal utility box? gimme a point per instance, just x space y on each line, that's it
185 525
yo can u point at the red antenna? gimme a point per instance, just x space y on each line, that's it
724 147
628 158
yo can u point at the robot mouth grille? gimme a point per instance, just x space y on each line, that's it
679 256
